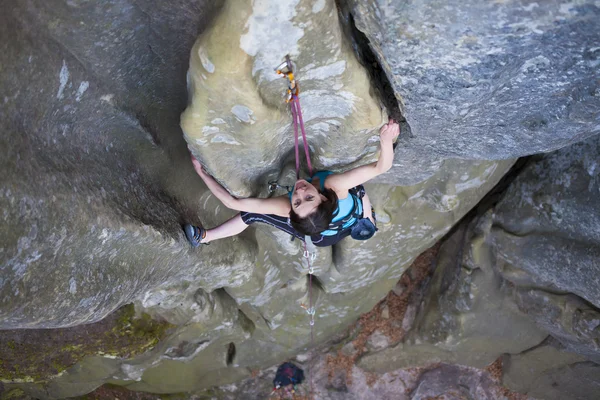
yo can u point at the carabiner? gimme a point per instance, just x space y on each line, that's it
273 186
288 69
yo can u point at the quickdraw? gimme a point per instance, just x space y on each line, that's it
288 69
274 185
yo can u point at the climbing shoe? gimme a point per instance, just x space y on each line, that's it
194 234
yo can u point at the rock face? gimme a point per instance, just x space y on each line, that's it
549 222
97 181
546 237
549 372
468 316
95 168
525 73
520 280
237 122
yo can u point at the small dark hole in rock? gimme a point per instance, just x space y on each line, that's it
230 353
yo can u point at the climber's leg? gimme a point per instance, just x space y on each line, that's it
232 227
197 235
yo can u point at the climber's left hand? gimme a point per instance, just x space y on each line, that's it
390 131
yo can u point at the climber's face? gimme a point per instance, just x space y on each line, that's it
305 198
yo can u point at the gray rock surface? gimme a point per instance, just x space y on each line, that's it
237 122
550 373
467 317
97 181
491 80
548 224
545 238
524 270
95 174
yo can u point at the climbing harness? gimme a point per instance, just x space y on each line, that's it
287 69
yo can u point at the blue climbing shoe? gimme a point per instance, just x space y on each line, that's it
194 234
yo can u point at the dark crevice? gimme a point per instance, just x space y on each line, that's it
230 354
494 196
245 322
548 341
336 256
316 283
367 57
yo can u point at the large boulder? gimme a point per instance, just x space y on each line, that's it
545 236
525 270
485 79
548 223
468 316
97 179
238 123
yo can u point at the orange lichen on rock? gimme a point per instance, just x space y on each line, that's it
371 378
389 323
495 370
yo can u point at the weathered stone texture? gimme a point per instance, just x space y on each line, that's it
491 80
97 179
548 224
549 372
238 123
524 271
468 316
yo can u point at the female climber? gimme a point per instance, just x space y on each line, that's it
325 208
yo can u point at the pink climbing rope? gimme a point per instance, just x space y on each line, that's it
297 117
298 121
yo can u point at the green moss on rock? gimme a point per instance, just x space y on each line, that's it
36 355
12 394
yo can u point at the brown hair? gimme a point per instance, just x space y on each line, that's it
319 220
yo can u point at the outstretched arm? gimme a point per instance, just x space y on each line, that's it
357 176
275 205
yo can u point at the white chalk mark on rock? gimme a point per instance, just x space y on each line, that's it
269 46
206 63
63 77
243 113
83 86
72 286
318 6
107 98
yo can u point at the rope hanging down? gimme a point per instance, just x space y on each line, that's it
287 69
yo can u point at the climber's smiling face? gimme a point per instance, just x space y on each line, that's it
305 198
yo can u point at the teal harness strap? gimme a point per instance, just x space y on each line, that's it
354 213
